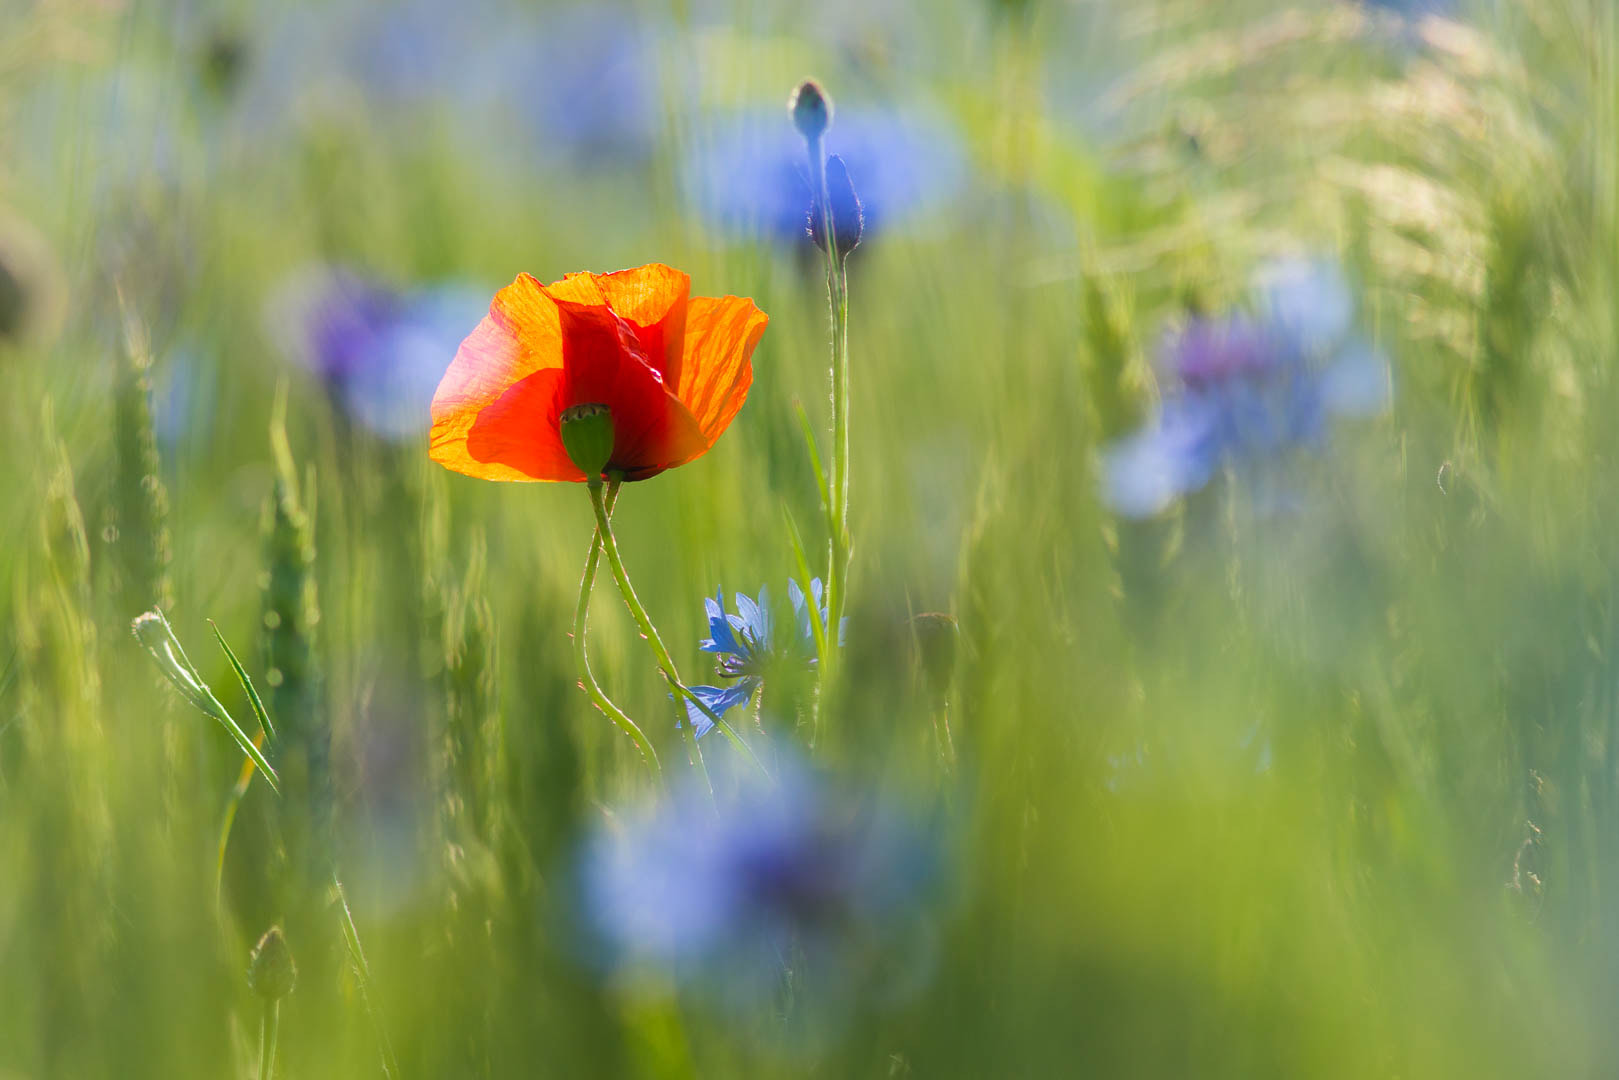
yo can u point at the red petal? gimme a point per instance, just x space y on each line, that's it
521 336
603 364
651 298
519 430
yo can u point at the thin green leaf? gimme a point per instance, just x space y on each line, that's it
362 971
247 686
152 630
817 624
813 447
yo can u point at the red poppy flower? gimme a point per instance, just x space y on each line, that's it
673 368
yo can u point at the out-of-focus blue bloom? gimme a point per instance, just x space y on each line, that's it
1250 388
587 82
576 84
1413 8
380 352
748 647
795 879
750 173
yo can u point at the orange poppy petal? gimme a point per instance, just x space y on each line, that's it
716 369
652 297
522 334
518 433
602 363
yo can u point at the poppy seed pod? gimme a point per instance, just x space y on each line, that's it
810 109
587 435
271 974
848 216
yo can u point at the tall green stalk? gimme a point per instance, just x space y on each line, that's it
837 500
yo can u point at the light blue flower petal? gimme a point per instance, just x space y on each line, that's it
719 698
767 620
748 611
1143 473
720 639
1357 384
1308 299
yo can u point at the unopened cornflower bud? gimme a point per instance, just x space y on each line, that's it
271 973
587 435
848 216
810 109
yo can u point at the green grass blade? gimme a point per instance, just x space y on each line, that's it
247 686
152 630
814 450
817 624
362 971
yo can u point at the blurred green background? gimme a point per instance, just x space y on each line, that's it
1325 792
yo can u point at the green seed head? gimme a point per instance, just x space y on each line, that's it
271 974
587 434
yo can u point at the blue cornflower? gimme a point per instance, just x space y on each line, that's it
748 647
379 351
802 877
748 174
1245 389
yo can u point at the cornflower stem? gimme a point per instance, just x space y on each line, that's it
269 1033
666 663
837 495
581 661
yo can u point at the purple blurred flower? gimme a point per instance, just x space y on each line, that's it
798 868
380 352
749 173
1247 389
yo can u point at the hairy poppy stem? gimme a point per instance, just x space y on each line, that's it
666 663
581 661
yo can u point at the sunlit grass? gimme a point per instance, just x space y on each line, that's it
1241 789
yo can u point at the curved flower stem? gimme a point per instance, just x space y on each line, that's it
665 663
581 662
837 494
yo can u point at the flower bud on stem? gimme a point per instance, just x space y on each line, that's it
811 112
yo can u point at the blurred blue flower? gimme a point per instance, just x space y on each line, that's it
1413 8
576 83
748 648
795 878
1247 388
749 173
379 351
587 82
